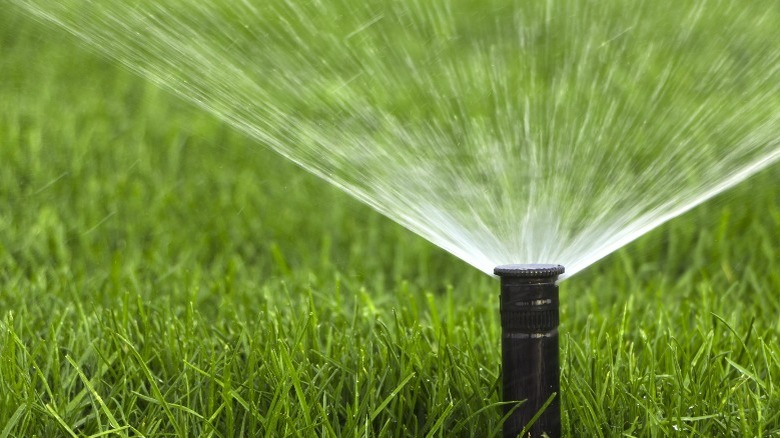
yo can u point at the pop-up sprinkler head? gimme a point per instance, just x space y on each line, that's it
529 348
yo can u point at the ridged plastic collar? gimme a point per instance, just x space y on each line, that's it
529 271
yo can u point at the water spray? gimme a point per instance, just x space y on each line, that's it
529 348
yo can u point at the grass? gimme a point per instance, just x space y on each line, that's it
160 275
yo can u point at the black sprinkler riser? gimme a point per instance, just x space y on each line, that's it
529 347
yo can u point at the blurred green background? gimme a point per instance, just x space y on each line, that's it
162 275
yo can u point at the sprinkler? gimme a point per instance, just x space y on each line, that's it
529 348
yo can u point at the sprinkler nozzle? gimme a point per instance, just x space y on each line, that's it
529 348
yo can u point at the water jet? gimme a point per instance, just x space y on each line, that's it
529 348
528 131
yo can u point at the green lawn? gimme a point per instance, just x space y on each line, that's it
161 275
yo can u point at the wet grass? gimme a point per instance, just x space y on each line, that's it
161 275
